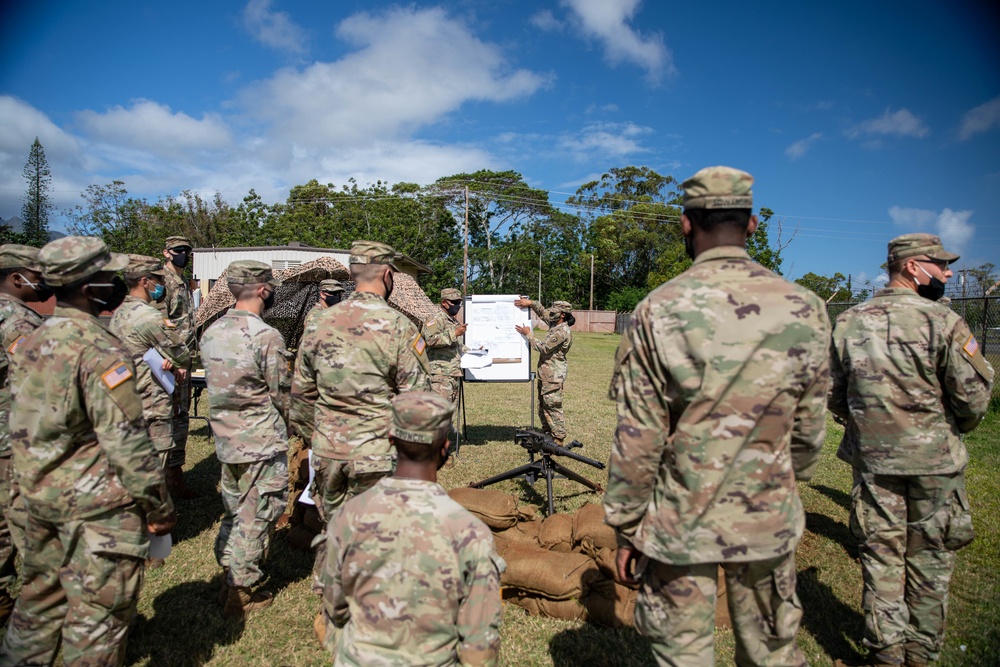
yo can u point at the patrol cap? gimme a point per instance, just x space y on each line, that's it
718 187
17 256
72 258
561 307
331 286
420 416
251 272
178 242
372 252
914 245
145 265
451 294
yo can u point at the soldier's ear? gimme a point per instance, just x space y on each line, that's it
685 225
752 225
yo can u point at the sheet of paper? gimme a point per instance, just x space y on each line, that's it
473 360
155 362
305 498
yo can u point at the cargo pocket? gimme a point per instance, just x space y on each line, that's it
856 517
787 610
959 531
161 433
113 572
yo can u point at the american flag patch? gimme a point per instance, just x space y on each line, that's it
116 375
13 346
419 344
971 346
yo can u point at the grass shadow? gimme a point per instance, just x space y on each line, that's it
186 627
598 646
836 495
200 513
834 624
480 434
833 530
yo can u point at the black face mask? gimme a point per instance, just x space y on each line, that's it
453 309
112 294
689 246
179 259
933 290
331 299
389 286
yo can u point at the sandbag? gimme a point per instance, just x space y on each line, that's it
588 521
556 533
611 604
558 576
523 532
496 509
566 610
606 563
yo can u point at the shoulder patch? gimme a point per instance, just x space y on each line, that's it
13 346
974 356
419 345
116 375
971 346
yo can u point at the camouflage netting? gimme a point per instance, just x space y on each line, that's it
300 290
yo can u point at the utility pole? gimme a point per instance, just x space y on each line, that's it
591 281
539 275
465 258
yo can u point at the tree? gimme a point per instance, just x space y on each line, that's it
37 204
827 288
983 278
108 212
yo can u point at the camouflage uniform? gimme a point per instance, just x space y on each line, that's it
89 476
331 286
908 379
177 307
17 321
720 383
351 361
248 378
140 327
552 368
444 349
412 577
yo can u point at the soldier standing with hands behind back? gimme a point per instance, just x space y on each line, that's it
720 383
909 379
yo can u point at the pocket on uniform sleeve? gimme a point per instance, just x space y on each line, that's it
959 531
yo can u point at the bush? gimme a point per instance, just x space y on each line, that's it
625 300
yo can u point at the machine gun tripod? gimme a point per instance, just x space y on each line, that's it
537 442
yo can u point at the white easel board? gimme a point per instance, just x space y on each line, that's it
491 319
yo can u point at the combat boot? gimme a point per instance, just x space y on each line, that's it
224 587
176 485
6 607
241 601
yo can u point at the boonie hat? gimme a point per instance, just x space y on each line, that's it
145 265
251 272
372 252
177 242
420 416
718 187
17 256
72 258
451 294
914 245
331 285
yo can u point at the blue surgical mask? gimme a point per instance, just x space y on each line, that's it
157 292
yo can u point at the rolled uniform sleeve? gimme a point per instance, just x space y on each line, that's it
115 411
640 392
809 428
837 398
273 362
438 332
552 341
967 379
169 344
479 615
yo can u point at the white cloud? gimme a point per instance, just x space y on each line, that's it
953 227
800 147
545 20
154 128
612 140
608 22
274 29
901 123
980 119
413 67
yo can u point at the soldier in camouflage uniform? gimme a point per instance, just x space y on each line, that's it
444 349
248 377
178 307
87 469
908 379
141 327
20 284
552 366
330 294
412 577
720 383
352 360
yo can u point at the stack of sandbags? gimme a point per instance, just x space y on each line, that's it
496 509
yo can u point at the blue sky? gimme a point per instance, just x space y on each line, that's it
859 121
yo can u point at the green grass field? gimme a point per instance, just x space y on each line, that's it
181 624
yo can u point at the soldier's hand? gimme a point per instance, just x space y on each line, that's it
522 303
163 526
460 330
166 365
180 373
523 330
625 561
